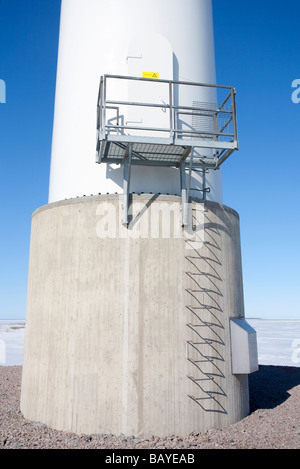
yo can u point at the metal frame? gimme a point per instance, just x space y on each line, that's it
174 147
171 135
126 182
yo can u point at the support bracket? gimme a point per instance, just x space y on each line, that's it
126 182
185 187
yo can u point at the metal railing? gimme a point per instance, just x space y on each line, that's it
196 123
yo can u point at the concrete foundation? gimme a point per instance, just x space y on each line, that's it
128 330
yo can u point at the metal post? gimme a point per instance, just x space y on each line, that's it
184 194
100 106
234 120
205 189
190 174
104 107
171 111
126 182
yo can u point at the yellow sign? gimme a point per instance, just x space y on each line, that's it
153 75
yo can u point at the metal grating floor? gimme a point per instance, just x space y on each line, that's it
144 153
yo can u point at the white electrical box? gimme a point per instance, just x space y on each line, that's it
244 357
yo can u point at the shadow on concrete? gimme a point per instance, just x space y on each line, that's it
204 294
270 386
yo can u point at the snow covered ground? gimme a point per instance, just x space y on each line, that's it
278 341
11 342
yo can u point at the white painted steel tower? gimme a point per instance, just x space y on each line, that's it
173 38
135 318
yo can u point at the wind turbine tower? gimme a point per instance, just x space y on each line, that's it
135 318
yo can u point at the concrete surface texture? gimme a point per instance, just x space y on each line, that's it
127 329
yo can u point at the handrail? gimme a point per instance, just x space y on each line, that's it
174 82
203 119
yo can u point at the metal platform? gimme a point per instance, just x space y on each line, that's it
197 137
149 154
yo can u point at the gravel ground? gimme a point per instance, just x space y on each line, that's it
273 423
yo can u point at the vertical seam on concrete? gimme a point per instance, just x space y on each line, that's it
125 337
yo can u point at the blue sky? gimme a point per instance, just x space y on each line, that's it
258 52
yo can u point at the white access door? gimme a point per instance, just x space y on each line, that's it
149 56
